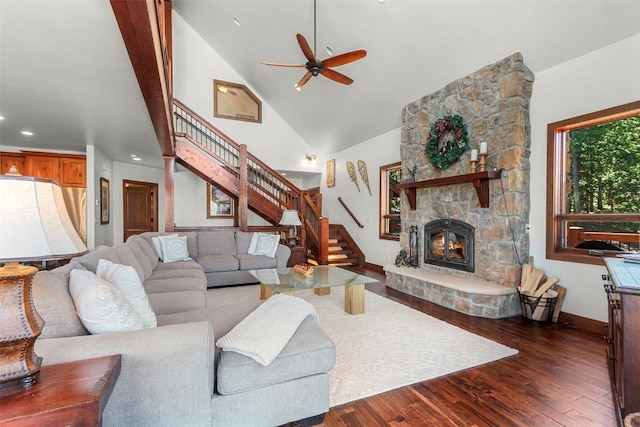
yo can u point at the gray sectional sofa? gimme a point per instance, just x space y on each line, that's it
224 255
172 374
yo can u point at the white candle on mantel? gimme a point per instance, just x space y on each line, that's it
483 148
474 155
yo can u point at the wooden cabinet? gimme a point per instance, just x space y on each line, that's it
42 167
72 172
623 338
68 169
12 159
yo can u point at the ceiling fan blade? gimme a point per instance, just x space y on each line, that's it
277 64
344 58
306 50
336 76
304 80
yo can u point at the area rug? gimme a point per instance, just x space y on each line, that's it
389 346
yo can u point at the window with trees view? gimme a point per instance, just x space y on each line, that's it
593 187
390 201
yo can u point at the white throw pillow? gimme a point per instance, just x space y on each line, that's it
174 249
158 246
101 307
128 281
264 244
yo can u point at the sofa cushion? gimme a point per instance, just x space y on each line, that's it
90 260
101 306
127 257
148 250
216 243
53 302
125 278
256 262
309 351
174 249
142 259
243 240
264 244
176 302
213 263
181 280
178 265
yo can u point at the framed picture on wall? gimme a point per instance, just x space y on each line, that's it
219 204
235 101
331 173
104 201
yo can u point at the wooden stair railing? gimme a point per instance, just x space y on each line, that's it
215 157
351 214
315 230
268 193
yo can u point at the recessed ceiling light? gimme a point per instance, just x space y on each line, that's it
1 118
137 159
134 155
283 173
329 50
236 21
26 132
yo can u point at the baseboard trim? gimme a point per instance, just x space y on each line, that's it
375 267
584 323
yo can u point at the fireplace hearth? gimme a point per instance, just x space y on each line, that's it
450 243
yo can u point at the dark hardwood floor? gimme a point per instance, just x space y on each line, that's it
558 378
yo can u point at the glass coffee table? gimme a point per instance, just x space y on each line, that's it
324 277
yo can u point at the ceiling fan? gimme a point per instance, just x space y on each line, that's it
315 67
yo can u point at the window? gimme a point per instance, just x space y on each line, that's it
390 201
593 185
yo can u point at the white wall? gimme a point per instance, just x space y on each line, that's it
376 152
99 165
195 66
601 79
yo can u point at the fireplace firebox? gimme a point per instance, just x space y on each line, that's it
449 243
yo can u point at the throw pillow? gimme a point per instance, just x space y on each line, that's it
158 246
126 279
101 307
264 244
174 249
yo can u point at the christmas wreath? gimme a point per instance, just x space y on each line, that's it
448 141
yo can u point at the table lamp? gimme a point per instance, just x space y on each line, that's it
34 226
291 218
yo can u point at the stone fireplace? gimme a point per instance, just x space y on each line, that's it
494 102
450 243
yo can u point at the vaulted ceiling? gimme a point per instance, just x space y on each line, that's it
65 74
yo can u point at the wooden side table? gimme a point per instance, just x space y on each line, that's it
298 256
67 394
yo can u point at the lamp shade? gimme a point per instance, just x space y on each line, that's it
34 222
290 218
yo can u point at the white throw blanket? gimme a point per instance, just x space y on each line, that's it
266 331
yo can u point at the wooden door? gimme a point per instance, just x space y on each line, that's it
140 207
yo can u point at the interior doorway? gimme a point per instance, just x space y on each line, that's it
140 207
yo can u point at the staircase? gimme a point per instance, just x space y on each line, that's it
342 248
214 157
